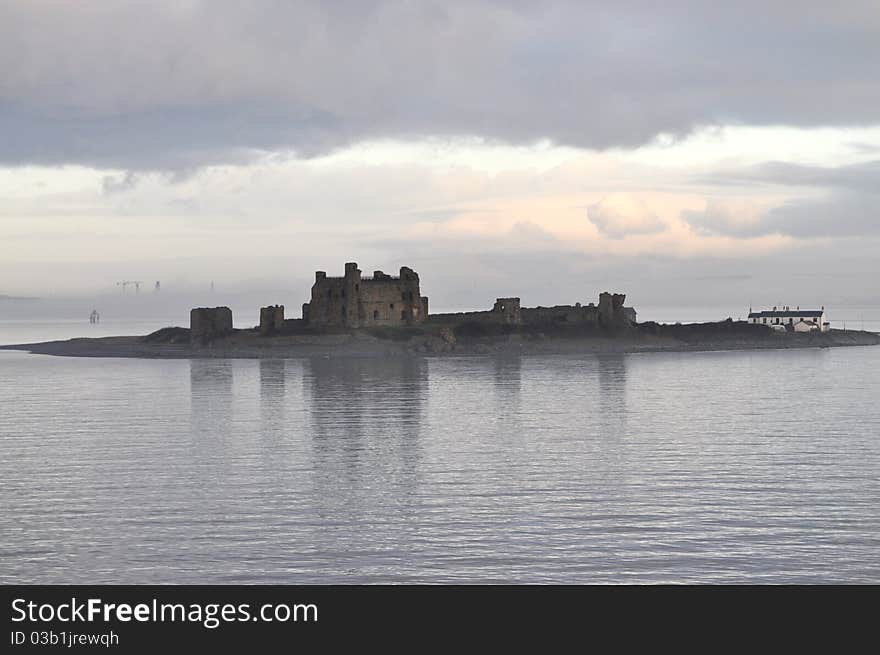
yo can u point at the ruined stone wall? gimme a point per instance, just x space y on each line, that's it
505 311
327 304
486 317
629 314
354 301
387 300
612 313
509 310
209 323
291 325
271 319
565 314
334 300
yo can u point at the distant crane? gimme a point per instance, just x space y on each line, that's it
124 284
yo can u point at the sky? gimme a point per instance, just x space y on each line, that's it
699 155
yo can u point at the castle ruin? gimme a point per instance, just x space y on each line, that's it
271 319
209 323
610 313
354 301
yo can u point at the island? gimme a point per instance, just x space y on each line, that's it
384 315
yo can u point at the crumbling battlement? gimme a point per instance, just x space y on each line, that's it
271 319
507 311
209 323
382 300
612 313
357 301
576 314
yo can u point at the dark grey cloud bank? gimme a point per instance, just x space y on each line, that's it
849 205
864 176
178 84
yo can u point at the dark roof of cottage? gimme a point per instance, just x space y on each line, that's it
794 313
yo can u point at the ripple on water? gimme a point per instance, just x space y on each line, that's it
696 467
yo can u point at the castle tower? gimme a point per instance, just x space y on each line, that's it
351 292
353 301
509 308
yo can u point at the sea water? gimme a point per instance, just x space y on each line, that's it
747 467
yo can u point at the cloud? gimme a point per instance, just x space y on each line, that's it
527 233
847 203
838 215
619 215
865 148
171 84
841 215
117 184
739 218
863 176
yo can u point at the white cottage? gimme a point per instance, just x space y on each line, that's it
798 320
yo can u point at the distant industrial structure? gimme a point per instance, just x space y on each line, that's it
793 320
126 283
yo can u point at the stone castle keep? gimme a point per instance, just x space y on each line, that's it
209 323
355 301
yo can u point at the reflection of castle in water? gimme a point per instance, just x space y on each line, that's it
507 382
366 417
211 383
272 380
612 392
363 404
612 376
507 371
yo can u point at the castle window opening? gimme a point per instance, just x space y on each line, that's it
402 314
375 314
392 305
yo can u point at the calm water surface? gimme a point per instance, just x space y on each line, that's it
698 467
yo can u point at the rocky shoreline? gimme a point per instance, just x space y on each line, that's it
175 343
